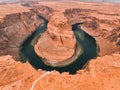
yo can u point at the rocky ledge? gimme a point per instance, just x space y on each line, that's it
102 73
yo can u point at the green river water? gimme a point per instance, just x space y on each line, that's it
87 43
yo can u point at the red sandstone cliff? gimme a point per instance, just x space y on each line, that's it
44 11
102 73
16 27
104 26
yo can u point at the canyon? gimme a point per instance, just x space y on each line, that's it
18 22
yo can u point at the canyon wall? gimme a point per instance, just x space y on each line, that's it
102 73
42 11
14 29
103 26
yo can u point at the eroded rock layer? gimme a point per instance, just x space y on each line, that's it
104 26
14 29
58 42
101 21
43 11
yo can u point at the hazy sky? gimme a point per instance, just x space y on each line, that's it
8 0
116 1
103 0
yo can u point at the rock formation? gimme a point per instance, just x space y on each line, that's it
102 73
99 25
100 21
42 11
58 42
15 28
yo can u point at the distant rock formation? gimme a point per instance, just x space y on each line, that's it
43 11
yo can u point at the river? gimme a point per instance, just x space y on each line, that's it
87 42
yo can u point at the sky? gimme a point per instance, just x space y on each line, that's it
115 1
9 0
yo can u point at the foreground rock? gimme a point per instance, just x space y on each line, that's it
57 44
102 73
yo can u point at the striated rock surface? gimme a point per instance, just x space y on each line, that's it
100 21
104 26
102 73
43 11
15 28
58 42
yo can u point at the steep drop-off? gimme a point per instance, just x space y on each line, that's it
101 25
102 73
16 27
100 21
58 42
58 47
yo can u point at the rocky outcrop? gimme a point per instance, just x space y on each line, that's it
13 72
115 36
43 11
58 42
14 29
102 73
104 27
